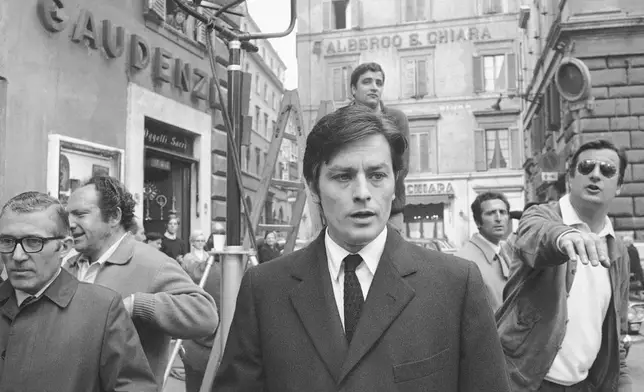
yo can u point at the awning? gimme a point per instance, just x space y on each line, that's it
427 199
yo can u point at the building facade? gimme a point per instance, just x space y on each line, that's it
608 36
267 72
121 88
452 67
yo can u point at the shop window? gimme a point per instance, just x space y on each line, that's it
424 221
341 14
495 73
167 177
416 77
78 161
415 10
341 82
497 148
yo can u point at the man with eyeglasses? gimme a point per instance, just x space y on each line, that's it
57 334
566 305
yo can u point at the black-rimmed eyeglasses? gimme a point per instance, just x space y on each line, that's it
587 166
29 244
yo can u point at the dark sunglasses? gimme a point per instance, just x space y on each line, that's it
587 166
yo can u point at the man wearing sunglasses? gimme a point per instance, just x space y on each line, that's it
566 305
57 334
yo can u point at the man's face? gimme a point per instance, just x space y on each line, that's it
173 226
88 227
356 188
595 188
368 90
494 220
29 272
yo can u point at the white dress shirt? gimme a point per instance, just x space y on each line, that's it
21 296
588 303
371 254
87 272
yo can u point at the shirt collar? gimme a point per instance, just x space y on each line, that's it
170 236
371 253
109 252
571 218
485 242
21 296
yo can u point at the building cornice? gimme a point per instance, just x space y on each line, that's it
496 113
267 71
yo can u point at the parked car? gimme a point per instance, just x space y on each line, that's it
635 317
437 244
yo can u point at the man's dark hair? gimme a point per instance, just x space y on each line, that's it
113 196
152 236
28 202
347 125
601 144
364 68
482 197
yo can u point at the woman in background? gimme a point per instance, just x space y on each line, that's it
268 250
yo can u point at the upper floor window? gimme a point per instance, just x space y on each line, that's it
422 150
258 163
494 6
415 10
341 82
495 73
266 130
273 101
257 85
175 18
257 115
265 92
497 147
341 14
416 80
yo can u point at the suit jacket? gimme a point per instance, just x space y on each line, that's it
76 337
495 271
425 326
166 303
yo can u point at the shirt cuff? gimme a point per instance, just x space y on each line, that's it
558 242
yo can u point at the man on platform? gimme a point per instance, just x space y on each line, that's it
161 298
367 85
566 305
360 308
57 334
490 212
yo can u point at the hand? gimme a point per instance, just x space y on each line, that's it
128 302
587 247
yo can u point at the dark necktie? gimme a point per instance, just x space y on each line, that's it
353 298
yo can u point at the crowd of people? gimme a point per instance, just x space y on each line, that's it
358 309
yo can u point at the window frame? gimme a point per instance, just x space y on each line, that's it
428 58
427 14
429 128
331 67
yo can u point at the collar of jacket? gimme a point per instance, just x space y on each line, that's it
122 255
383 108
60 292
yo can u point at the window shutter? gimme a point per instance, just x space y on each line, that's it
477 72
424 151
515 148
409 78
338 84
409 10
414 153
326 15
511 67
479 150
356 14
157 8
421 10
421 68
201 29
347 82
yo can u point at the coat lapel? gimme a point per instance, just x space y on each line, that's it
314 302
388 296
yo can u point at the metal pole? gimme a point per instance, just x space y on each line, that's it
233 194
232 271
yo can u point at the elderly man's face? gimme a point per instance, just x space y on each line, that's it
356 188
29 272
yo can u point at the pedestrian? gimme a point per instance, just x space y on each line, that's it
58 334
567 304
367 86
491 212
635 263
360 308
268 250
197 253
171 244
160 297
154 239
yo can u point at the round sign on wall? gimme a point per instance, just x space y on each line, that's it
573 80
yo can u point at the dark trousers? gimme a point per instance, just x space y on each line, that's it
194 378
547 386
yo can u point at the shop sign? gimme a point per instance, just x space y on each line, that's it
406 41
112 39
429 188
168 140
161 164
